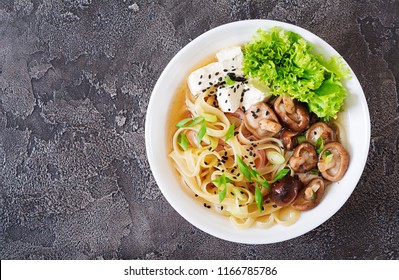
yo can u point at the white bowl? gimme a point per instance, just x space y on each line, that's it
355 120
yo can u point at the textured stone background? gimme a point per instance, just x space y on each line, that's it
75 80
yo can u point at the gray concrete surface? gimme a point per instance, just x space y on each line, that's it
75 80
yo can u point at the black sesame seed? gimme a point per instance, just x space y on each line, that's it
241 99
267 201
199 83
210 83
228 94
234 177
238 86
241 192
208 207
225 101
205 163
220 79
221 208
266 113
314 132
209 76
228 110
251 162
225 70
246 156
203 90
196 195
251 148
232 193
201 77
238 174
257 110
274 206
222 170
235 133
217 73
235 90
204 204
263 208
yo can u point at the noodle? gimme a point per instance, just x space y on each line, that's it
199 167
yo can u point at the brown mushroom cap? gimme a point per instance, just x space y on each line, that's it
261 120
304 158
333 167
288 138
308 198
322 130
292 113
284 192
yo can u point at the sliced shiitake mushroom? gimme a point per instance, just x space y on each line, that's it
284 192
261 120
292 113
333 161
304 158
310 196
288 138
306 177
322 130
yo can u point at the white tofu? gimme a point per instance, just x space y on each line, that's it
205 77
254 92
229 97
231 59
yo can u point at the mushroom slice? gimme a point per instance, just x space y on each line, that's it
310 196
306 177
304 158
333 161
261 120
322 130
292 113
285 191
288 138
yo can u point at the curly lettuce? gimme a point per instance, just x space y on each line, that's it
284 62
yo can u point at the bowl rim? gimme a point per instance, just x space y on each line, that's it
181 206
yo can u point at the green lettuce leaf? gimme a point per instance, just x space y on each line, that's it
283 61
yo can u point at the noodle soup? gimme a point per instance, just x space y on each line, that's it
248 148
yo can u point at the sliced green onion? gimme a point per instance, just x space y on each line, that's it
182 141
319 145
230 131
229 81
328 158
210 117
314 171
196 121
281 174
258 198
202 131
300 139
222 181
222 194
244 169
183 122
260 178
275 157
